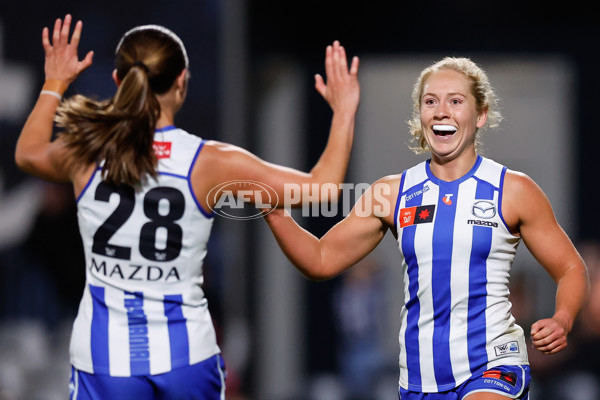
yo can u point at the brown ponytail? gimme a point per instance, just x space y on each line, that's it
120 131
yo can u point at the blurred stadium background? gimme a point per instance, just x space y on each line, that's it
252 67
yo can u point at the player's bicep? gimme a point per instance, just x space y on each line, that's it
541 232
237 164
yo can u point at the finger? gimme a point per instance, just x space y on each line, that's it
329 61
76 34
354 66
536 327
548 328
64 33
542 334
336 57
553 347
548 340
320 85
343 65
558 348
533 331
46 40
542 342
56 32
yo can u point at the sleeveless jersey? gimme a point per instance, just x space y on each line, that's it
457 253
143 310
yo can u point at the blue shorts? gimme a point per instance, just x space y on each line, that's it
511 381
204 380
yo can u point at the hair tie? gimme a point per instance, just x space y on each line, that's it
141 65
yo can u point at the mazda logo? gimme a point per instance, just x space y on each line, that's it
484 209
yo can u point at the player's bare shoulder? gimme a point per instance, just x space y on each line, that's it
384 193
220 158
215 149
519 187
391 183
522 198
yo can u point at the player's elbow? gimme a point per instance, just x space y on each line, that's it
317 274
23 162
315 277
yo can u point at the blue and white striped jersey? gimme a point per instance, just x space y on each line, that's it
457 253
143 309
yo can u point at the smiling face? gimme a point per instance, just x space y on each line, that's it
449 115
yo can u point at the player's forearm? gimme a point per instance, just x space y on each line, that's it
36 133
571 293
333 163
301 247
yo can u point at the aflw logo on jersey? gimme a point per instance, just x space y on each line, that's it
507 348
416 215
162 149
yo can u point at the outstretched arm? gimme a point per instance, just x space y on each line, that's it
35 152
342 92
342 246
553 249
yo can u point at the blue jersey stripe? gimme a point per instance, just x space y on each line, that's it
484 191
500 191
413 306
139 349
476 320
99 330
398 200
178 334
189 179
89 182
443 238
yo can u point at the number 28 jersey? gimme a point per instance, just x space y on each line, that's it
143 310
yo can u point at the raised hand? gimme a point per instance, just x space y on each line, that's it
61 61
342 90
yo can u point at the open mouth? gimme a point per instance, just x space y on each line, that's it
444 130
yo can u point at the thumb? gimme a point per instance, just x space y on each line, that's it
86 62
536 327
320 85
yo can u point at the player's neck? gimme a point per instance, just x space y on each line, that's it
452 169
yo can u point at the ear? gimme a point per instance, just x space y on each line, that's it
180 86
182 79
482 118
115 78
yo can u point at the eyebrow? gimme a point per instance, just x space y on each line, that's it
449 94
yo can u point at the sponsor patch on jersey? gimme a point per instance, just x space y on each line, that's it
417 193
416 215
162 149
508 377
507 348
482 223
